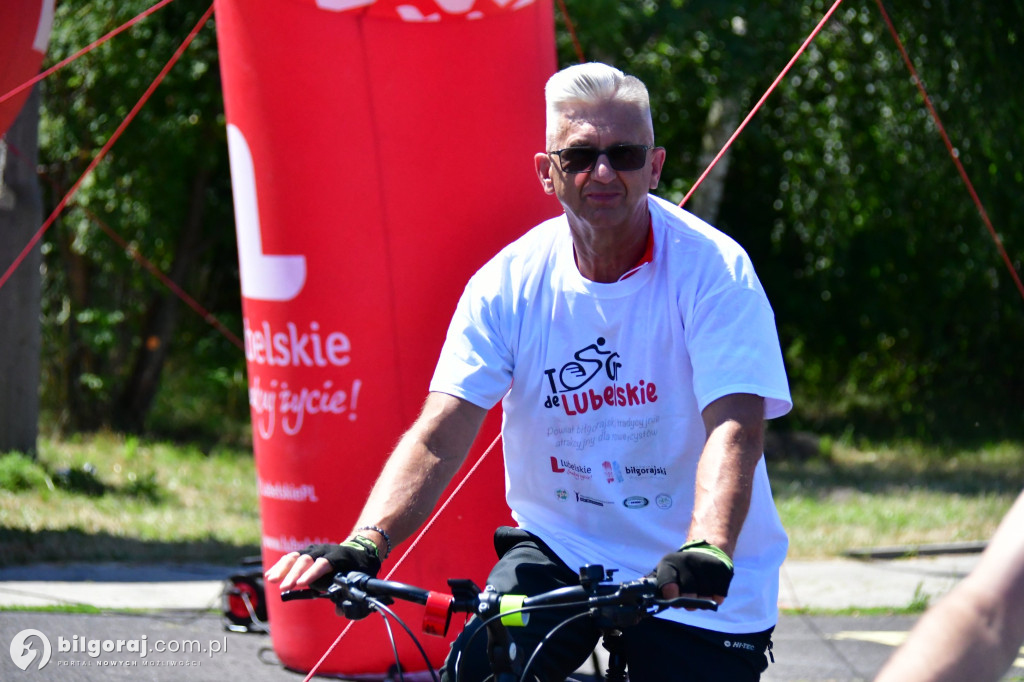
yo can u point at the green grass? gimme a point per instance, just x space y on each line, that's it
105 497
84 609
108 498
903 494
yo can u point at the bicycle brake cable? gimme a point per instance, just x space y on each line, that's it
547 637
386 612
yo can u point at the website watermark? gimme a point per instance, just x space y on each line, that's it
33 649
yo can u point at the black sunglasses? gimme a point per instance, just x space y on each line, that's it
621 157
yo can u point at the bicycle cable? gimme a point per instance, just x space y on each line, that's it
391 641
386 612
546 639
484 623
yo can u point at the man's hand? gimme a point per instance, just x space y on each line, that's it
307 569
698 569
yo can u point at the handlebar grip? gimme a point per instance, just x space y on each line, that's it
690 603
298 595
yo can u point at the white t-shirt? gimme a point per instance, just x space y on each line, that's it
603 387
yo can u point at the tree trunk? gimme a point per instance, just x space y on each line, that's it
723 117
21 214
137 397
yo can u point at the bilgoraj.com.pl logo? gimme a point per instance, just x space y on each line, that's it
29 645
32 649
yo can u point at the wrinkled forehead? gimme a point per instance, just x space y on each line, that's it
604 123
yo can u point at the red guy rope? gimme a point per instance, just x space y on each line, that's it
952 150
760 102
572 30
106 147
207 316
411 547
89 48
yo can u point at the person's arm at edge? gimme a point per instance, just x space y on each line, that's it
422 464
735 444
976 630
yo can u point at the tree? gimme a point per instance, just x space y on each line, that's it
164 189
894 310
21 211
892 307
907 320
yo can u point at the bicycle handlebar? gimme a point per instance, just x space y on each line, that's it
619 604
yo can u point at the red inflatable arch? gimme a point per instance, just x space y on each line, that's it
24 32
380 153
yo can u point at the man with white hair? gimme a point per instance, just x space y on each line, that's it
636 358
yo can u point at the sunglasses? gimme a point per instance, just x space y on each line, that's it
621 157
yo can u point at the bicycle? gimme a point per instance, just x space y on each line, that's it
614 606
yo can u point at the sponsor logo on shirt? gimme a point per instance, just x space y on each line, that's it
591 500
613 472
662 501
645 471
565 466
571 388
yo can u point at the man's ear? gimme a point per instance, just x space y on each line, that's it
658 155
542 162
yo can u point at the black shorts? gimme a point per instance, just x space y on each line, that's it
656 649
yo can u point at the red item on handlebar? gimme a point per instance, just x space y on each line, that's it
437 615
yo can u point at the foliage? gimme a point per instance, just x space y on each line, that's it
894 308
168 171
19 472
895 312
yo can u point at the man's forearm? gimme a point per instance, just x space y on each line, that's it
722 496
725 473
420 468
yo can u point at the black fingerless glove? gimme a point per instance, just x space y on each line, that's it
698 568
356 554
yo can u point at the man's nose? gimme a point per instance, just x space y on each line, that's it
603 170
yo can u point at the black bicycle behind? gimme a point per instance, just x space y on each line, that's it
613 605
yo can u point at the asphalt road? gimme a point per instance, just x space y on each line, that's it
811 648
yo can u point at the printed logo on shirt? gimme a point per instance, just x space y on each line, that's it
646 471
663 501
589 363
580 472
586 499
571 388
635 502
562 494
613 472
